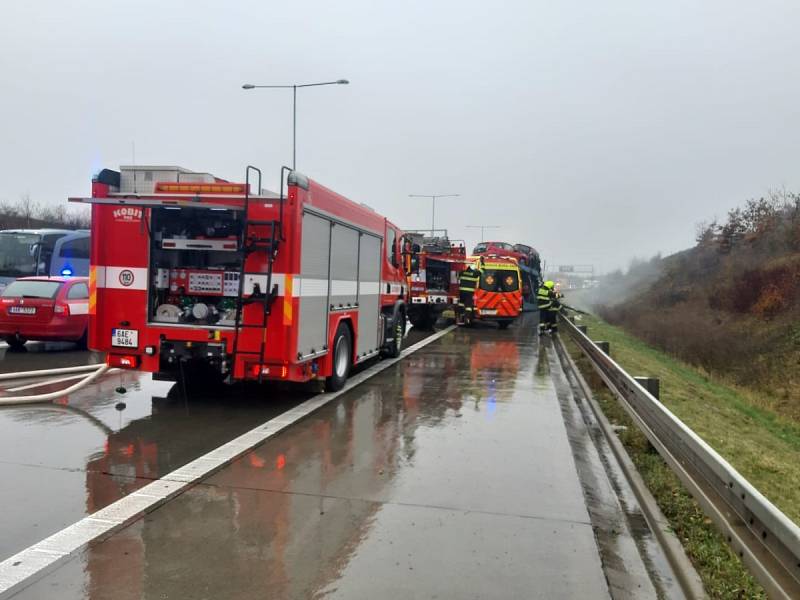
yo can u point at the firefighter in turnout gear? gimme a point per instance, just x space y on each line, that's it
467 284
547 300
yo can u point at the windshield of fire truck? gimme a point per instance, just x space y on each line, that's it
18 254
500 280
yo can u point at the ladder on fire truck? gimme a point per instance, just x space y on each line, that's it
250 242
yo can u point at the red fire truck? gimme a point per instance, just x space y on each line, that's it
188 270
435 266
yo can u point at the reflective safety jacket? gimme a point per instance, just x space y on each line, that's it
547 299
468 280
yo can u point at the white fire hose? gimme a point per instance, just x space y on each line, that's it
96 371
42 372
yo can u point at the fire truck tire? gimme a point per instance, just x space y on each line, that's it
503 324
342 358
398 331
15 342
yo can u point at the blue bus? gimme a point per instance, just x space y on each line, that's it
26 252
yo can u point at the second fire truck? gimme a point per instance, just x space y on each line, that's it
435 266
191 270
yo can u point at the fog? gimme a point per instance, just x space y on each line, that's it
594 131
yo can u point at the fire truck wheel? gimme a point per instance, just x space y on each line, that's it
395 347
342 359
503 324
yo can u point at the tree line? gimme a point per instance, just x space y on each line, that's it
27 213
776 215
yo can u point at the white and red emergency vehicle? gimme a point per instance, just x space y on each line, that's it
191 270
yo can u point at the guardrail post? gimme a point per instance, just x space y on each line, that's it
651 384
604 346
584 329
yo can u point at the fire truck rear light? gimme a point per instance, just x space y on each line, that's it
150 350
256 370
124 361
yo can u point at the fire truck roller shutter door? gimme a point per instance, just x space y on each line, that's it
312 335
369 277
344 267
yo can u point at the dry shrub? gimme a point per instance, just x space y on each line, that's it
693 335
764 292
771 301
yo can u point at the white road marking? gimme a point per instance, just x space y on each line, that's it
33 563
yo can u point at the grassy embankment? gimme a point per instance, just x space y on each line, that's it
762 446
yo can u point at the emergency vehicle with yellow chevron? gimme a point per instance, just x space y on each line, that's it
498 295
192 273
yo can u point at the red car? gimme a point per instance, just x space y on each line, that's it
500 249
46 309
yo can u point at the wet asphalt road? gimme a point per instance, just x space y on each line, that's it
449 475
45 355
62 461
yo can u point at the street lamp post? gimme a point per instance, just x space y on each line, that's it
250 86
483 228
433 208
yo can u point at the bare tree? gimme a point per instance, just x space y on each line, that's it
27 208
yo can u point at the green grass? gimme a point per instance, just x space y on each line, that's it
763 446
722 573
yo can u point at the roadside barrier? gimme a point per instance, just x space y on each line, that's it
765 538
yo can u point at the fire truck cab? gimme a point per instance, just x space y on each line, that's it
189 270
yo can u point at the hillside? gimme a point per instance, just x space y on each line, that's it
730 305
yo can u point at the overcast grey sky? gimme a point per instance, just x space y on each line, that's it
594 131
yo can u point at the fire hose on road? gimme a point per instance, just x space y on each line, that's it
93 373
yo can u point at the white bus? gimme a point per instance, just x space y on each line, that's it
51 252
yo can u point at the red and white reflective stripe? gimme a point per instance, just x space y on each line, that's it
395 289
369 288
121 278
135 278
251 279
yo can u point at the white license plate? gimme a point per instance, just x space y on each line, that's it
490 311
22 310
125 338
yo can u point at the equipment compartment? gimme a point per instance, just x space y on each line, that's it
194 266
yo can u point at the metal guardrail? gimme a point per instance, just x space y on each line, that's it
766 539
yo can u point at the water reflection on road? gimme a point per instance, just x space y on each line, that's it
442 476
